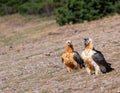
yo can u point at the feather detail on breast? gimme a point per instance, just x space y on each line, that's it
68 60
71 58
89 64
94 59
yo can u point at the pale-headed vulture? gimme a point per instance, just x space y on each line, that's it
71 58
94 59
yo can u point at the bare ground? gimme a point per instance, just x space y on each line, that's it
30 55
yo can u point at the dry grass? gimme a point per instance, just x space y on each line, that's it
31 48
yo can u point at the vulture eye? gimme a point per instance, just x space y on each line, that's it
69 42
86 39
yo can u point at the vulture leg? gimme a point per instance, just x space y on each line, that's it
68 69
88 70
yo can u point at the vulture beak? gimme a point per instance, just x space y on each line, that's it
69 43
86 41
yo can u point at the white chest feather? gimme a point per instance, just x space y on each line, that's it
87 56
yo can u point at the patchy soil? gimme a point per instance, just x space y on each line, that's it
30 55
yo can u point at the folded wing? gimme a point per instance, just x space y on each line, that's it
100 60
78 59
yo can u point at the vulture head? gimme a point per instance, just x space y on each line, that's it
69 43
69 46
88 43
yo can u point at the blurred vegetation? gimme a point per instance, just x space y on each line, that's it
33 7
66 11
75 11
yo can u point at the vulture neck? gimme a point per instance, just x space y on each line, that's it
89 46
69 49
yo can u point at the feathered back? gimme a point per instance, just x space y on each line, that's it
78 59
71 58
99 58
93 57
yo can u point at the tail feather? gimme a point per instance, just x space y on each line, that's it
105 69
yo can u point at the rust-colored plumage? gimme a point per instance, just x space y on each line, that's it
93 59
90 64
71 58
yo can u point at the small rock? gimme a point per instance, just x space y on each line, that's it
11 47
47 54
4 53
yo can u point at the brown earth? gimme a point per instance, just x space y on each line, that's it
30 55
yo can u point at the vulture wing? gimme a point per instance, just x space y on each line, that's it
78 59
98 57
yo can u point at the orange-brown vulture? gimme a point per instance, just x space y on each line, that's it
94 59
71 58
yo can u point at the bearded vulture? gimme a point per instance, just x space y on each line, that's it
71 58
94 59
